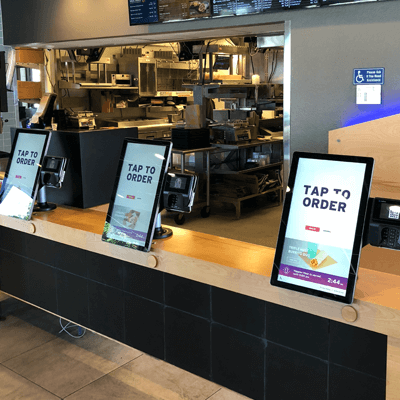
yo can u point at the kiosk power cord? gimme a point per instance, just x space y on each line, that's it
81 331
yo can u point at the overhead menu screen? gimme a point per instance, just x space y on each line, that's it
178 10
224 7
328 2
244 7
293 4
153 11
143 11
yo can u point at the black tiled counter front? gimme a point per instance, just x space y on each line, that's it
257 348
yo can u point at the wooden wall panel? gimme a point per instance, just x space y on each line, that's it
29 90
29 56
379 139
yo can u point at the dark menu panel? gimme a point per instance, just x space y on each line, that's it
150 11
224 7
326 2
143 11
293 4
170 10
178 10
243 7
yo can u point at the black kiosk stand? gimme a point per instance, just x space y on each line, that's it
52 175
160 232
42 204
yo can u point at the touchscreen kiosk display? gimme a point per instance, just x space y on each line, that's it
20 184
134 204
322 223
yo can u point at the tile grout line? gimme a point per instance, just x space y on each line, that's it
358 371
45 343
209 397
101 377
27 351
33 383
83 277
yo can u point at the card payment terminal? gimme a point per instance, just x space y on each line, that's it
384 223
179 192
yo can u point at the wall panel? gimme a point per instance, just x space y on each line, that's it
254 347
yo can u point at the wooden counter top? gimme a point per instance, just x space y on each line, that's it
89 220
232 253
233 265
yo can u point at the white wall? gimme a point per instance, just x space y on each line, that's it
326 46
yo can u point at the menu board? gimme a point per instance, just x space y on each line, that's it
143 11
244 7
224 7
150 11
328 2
177 10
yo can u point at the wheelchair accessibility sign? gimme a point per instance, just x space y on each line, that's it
369 76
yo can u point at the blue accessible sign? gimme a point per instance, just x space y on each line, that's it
369 76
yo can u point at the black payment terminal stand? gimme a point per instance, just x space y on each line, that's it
382 227
161 232
52 175
178 195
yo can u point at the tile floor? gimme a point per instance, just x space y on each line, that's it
38 362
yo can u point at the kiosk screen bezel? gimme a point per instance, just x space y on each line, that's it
356 248
13 157
165 149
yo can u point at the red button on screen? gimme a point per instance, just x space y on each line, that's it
312 228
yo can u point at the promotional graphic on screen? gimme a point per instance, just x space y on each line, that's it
132 213
20 184
319 239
